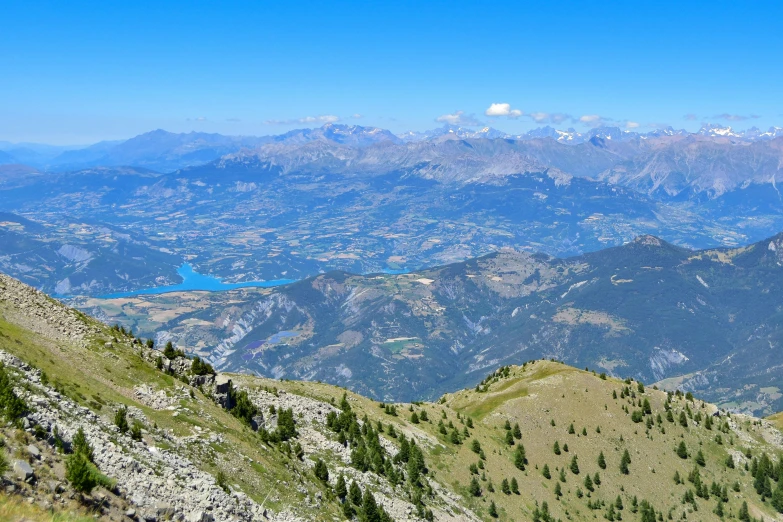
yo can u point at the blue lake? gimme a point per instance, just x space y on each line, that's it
193 281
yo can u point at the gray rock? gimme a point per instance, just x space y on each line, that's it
130 513
34 452
200 516
164 511
23 470
256 422
222 384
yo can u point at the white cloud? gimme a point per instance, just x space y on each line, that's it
691 117
593 120
325 118
631 125
546 117
356 116
503 109
458 118
590 118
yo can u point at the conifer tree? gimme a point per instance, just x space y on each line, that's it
79 473
355 493
601 461
744 515
574 466
514 486
340 488
121 420
493 510
624 461
682 451
517 432
370 511
558 490
556 448
700 459
504 487
519 457
474 488
545 472
321 471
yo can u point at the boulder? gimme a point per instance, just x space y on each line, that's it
200 516
256 422
23 470
164 511
34 452
222 384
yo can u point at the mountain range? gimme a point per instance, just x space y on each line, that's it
165 151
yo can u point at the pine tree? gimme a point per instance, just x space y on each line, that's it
700 459
321 471
514 486
519 457
777 497
601 461
504 487
556 448
517 432
79 473
624 461
682 451
475 446
474 488
558 490
370 511
574 466
80 445
121 420
683 420
509 438
744 515
562 475
545 472
571 430
340 488
588 482
493 510
355 493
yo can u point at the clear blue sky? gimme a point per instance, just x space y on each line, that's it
78 72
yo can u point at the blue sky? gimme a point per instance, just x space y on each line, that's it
79 72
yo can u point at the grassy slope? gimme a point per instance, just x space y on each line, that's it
99 375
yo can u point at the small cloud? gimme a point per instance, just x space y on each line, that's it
326 118
233 119
736 117
546 117
690 117
631 125
503 109
458 118
200 118
356 116
592 120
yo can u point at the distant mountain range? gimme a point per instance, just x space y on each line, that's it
165 151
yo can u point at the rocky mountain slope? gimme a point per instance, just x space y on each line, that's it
171 441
